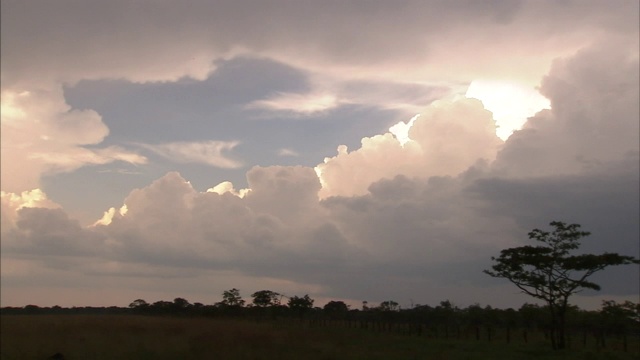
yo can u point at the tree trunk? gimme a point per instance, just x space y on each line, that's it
560 338
561 331
557 330
552 332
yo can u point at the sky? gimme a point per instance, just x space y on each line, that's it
349 150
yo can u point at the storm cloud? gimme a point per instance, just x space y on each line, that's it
413 219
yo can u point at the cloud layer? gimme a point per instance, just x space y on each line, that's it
417 220
392 56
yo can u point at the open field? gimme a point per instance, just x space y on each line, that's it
146 337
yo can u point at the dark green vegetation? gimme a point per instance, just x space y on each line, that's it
550 273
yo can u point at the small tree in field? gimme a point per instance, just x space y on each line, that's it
550 273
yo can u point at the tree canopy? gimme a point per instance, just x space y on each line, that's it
232 298
302 303
264 298
550 272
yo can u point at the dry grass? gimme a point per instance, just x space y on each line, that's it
99 337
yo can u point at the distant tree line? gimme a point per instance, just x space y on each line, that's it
444 320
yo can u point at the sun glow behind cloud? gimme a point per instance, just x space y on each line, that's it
401 130
8 107
510 103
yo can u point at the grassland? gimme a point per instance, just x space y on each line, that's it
99 337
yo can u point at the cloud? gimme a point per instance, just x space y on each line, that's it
511 104
418 220
446 139
227 187
78 157
204 152
594 99
349 55
42 135
50 232
306 104
12 203
327 93
288 152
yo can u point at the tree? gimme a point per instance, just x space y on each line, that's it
301 303
445 313
620 317
139 306
180 303
389 305
162 306
550 273
138 303
264 298
336 307
232 298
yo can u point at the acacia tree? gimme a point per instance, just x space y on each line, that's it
550 273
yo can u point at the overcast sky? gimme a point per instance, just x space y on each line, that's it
349 150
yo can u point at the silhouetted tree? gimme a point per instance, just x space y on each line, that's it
180 304
139 306
445 314
232 298
336 307
264 298
162 307
32 309
138 303
548 271
303 303
620 317
475 315
532 315
389 305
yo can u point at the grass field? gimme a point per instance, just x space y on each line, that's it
87 337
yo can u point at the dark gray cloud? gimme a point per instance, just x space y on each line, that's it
353 33
50 232
594 117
